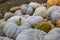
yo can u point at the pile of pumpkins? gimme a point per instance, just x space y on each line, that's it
31 21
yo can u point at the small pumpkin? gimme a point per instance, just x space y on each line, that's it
8 15
40 11
18 13
14 26
45 26
52 3
34 5
26 9
54 34
33 20
31 34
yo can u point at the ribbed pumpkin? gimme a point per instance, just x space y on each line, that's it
45 26
54 34
52 3
14 26
31 34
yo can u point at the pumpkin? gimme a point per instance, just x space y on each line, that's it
5 38
54 34
13 9
34 5
18 13
31 34
55 17
45 26
26 9
40 11
51 10
14 26
8 15
33 20
58 23
52 3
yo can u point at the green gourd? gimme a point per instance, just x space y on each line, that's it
45 26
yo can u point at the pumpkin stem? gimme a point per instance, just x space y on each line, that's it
19 22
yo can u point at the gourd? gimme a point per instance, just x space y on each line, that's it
13 9
34 5
51 10
26 9
31 34
55 17
5 38
45 26
54 34
18 13
33 20
52 3
40 11
8 15
14 26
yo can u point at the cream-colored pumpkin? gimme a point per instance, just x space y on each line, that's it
31 34
14 26
40 11
34 5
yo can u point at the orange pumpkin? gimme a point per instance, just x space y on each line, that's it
58 3
52 3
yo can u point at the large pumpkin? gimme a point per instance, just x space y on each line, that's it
52 3
54 34
31 34
14 26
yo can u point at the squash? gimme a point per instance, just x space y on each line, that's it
5 38
31 34
13 9
52 3
45 26
51 10
33 20
54 34
14 26
8 15
26 9
40 11
18 13
34 5
55 17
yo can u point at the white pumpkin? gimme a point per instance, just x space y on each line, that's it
55 16
18 13
14 26
5 38
26 9
54 34
33 20
51 10
34 5
40 11
8 15
31 34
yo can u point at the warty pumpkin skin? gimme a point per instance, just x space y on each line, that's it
45 26
31 34
26 9
52 3
8 15
54 34
13 26
34 5
40 11
33 20
51 10
18 13
55 17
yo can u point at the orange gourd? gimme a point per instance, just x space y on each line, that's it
52 3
